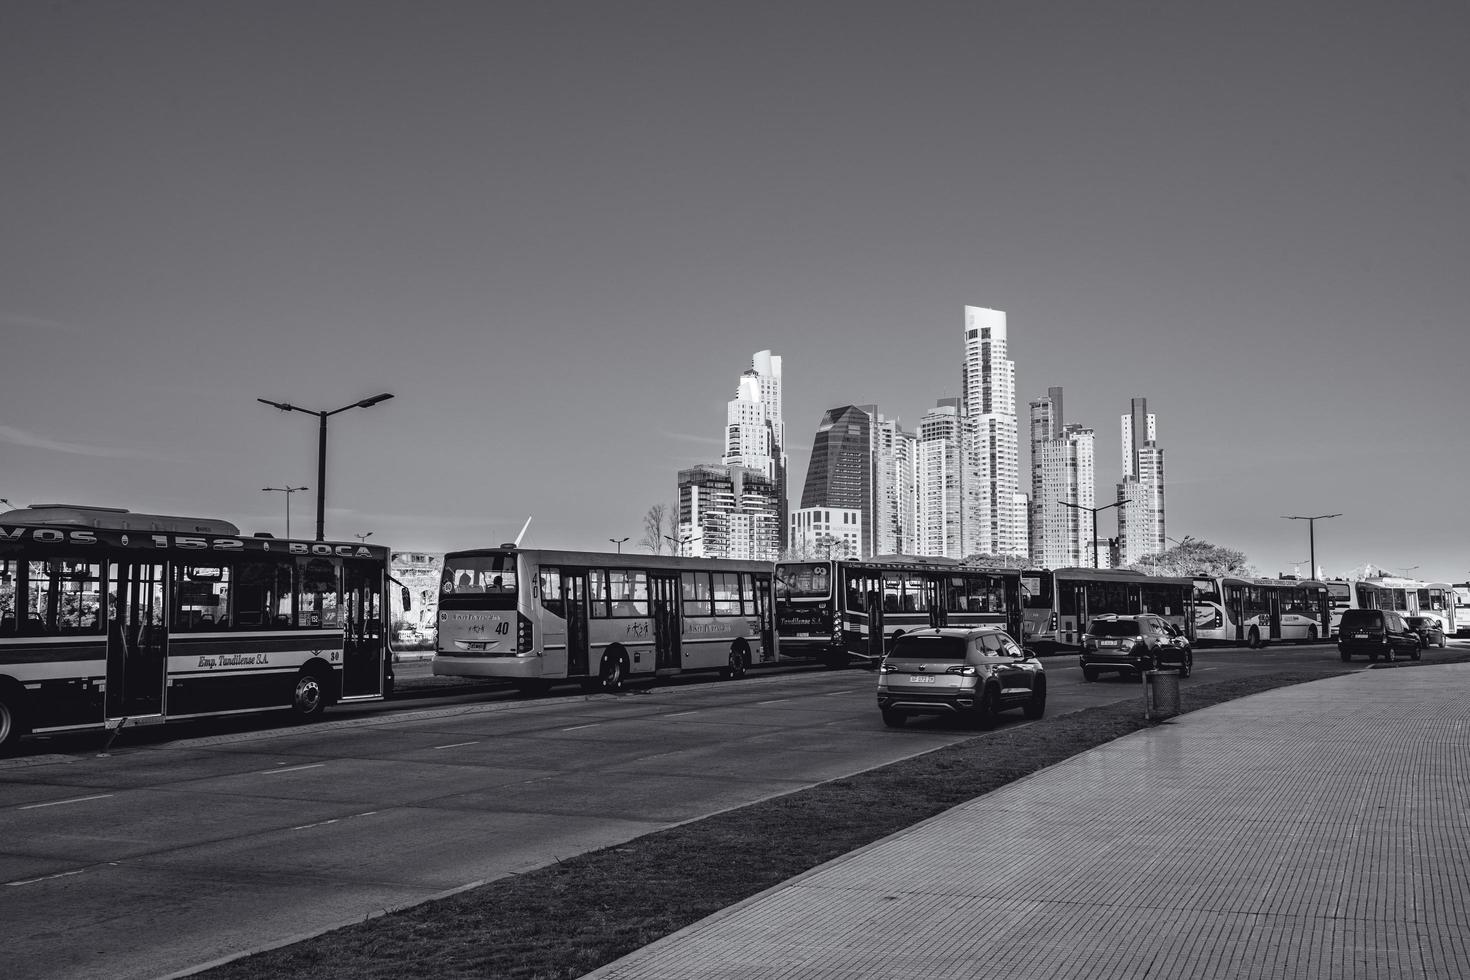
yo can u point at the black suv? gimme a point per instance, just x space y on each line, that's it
1132 645
1376 632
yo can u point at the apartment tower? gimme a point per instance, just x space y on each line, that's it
1141 530
994 510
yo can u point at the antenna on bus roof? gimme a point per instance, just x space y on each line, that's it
523 532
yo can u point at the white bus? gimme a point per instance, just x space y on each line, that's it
534 616
1461 607
110 618
1381 592
1254 612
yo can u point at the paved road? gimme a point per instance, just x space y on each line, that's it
171 854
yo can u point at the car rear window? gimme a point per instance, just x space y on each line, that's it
1361 619
1114 627
931 648
1415 622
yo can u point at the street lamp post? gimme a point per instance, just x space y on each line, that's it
1311 535
1094 511
321 448
287 490
679 542
619 543
363 537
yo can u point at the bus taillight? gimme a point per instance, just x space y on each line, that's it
524 642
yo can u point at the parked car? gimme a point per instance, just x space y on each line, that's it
1132 645
975 673
1428 629
1377 633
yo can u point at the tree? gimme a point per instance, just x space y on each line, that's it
1191 556
659 525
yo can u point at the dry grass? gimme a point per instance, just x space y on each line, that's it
565 920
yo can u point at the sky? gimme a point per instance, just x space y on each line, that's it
558 231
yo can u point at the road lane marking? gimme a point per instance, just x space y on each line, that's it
78 799
324 823
777 701
681 714
32 881
272 772
457 745
578 728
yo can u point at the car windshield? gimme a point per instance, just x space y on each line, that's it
1114 627
929 648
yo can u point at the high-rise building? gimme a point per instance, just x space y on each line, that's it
840 474
728 512
754 431
893 488
1062 469
767 368
826 532
937 481
1141 529
993 507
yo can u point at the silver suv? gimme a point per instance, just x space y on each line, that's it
973 673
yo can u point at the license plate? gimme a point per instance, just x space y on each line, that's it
1107 643
1360 636
921 679
801 634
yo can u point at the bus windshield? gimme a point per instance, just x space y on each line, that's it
1036 589
803 580
494 574
1206 590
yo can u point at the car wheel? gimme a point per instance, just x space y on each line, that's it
1036 707
987 712
1344 655
1418 651
893 719
1089 673
1186 666
1441 641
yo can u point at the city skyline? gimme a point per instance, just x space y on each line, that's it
552 232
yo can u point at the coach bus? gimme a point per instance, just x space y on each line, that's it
1060 602
110 618
1378 592
1461 607
534 616
1436 600
1254 612
836 610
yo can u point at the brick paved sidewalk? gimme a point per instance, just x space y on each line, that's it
1318 831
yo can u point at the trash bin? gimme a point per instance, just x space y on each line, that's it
1160 694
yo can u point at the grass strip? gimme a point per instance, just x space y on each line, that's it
567 919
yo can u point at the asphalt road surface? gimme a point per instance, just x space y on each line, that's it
168 854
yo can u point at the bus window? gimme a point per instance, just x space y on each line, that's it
598 606
1036 590
914 597
265 595
747 595
857 596
694 587
319 602
552 601
61 596
201 598
629 591
727 593
892 590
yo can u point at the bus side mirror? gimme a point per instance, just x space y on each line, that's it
407 599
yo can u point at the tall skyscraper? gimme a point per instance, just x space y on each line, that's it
1062 469
893 488
840 474
937 481
728 512
994 509
767 368
1141 529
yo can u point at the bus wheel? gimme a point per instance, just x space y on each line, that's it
610 677
1311 634
310 698
12 718
1253 639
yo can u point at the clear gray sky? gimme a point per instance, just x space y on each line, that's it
557 232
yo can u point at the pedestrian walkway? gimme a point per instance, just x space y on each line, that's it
1317 831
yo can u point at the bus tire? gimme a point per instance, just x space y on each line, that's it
309 699
613 672
1311 634
1253 639
13 723
739 660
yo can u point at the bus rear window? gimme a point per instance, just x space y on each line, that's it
479 575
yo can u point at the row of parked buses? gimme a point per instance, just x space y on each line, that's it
110 618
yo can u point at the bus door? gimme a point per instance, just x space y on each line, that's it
1234 601
663 590
362 643
1273 611
137 640
767 619
1072 628
574 587
936 600
875 622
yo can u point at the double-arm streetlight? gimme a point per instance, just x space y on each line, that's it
1311 535
287 490
363 537
1094 511
321 448
619 543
